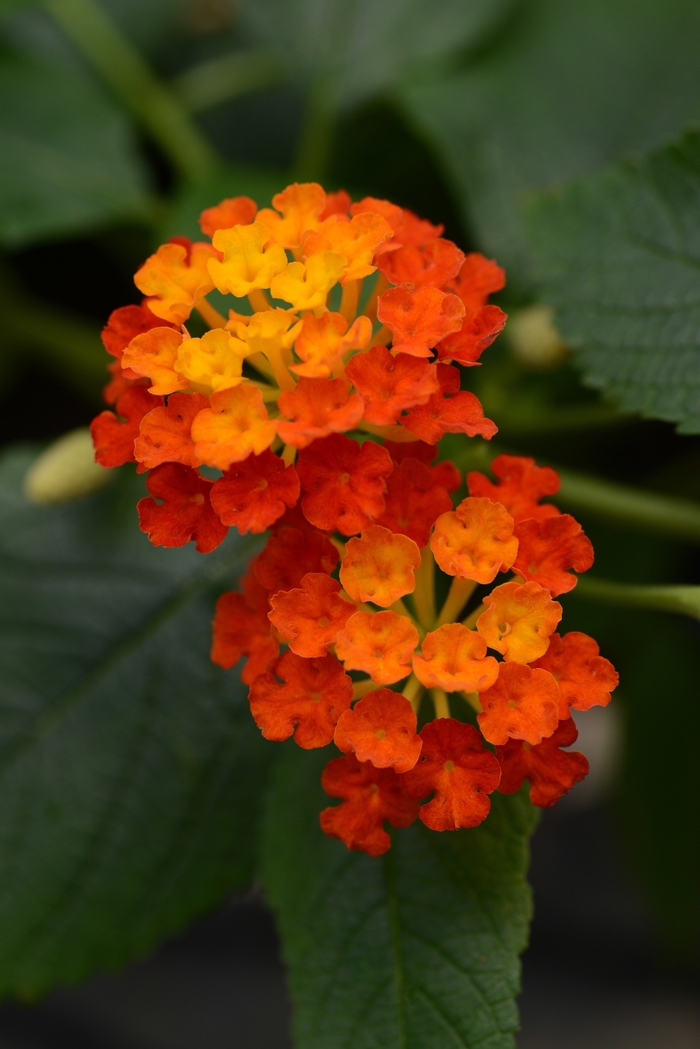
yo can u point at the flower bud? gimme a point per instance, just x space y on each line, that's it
534 340
66 470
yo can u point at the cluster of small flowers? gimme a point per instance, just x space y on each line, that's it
359 529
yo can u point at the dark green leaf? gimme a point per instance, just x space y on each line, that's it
569 87
67 156
619 258
129 765
415 950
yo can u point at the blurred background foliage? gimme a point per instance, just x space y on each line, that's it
120 120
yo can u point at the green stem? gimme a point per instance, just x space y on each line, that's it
682 599
229 76
130 77
316 136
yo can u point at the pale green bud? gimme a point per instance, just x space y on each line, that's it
66 470
533 338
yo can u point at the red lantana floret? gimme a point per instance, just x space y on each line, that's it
304 697
381 728
550 770
185 511
252 495
345 483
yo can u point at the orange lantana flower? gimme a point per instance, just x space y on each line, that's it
250 260
475 541
379 566
175 277
290 554
253 494
316 408
306 284
390 383
521 704
418 319
311 616
241 628
381 728
408 228
451 410
548 548
185 511
414 498
432 265
234 211
114 439
308 695
381 644
166 432
153 354
519 620
298 208
585 678
477 333
125 324
323 340
357 241
521 486
454 659
344 482
235 424
550 770
456 768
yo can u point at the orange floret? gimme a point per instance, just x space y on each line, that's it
267 332
414 498
450 411
316 408
290 554
212 363
122 379
408 228
175 277
233 211
311 616
522 704
166 432
370 796
475 541
153 354
114 439
454 659
241 628
455 766
521 486
357 241
323 340
419 319
585 678
433 265
301 206
306 284
551 771
337 203
185 511
519 620
548 548
381 728
345 483
250 259
478 331
390 383
379 567
478 278
253 494
125 324
235 424
309 696
381 644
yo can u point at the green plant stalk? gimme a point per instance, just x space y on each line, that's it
229 76
149 101
684 600
316 137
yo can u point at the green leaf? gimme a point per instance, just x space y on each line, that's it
67 156
358 48
570 86
619 258
130 769
415 950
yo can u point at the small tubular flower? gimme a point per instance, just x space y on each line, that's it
521 704
551 771
311 616
125 324
308 695
306 284
549 547
322 342
212 363
585 678
414 498
316 408
379 566
381 728
185 511
235 424
114 439
454 659
153 354
250 260
521 486
432 265
299 208
419 319
241 628
450 411
357 241
408 228
389 384
165 433
344 481
519 620
233 211
254 493
478 331
381 644
268 332
478 278
175 277
370 796
290 554
475 541
337 203
455 768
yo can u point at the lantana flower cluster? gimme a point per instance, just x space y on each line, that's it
320 412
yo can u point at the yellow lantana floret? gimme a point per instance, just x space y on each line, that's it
251 259
306 284
213 362
175 278
301 205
